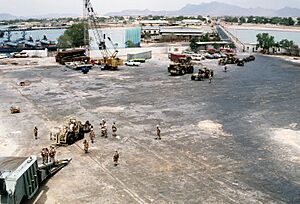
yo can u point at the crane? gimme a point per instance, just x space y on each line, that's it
109 59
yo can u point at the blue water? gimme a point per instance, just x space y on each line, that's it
249 36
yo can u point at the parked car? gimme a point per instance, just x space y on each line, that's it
3 56
208 56
132 63
217 56
20 55
139 60
197 57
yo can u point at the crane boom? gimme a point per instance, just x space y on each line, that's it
91 18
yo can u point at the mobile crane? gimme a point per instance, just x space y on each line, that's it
109 59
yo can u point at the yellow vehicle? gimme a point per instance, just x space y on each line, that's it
109 59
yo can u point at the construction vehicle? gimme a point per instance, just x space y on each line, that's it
181 67
15 109
72 131
21 177
240 62
109 60
202 74
72 55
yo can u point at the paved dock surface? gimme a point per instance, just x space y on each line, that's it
221 142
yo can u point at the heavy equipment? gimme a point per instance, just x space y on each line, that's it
202 74
15 109
72 131
109 60
181 67
21 177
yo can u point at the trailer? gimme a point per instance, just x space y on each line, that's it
21 177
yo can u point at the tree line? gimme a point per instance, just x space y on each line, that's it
264 20
266 41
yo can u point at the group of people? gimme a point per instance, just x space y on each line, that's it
104 133
48 155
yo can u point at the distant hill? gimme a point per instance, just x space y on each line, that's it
7 16
214 9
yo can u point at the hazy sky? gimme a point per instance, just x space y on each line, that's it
40 7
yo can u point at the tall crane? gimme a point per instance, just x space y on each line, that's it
109 59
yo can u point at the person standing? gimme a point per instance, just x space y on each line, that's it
116 157
92 136
46 154
210 78
52 154
43 154
86 146
35 132
114 129
158 137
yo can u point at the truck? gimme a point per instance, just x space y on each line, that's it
182 67
175 57
21 177
71 131
72 55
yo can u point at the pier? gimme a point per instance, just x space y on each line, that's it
224 33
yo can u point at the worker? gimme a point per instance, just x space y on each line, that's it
103 128
114 129
92 135
225 68
158 133
86 146
46 154
35 132
43 154
52 154
116 157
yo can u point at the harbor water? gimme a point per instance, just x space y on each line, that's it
249 35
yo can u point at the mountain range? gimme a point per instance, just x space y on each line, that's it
7 16
213 9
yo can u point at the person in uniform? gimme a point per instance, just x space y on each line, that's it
158 133
92 135
114 129
46 154
86 146
35 132
209 77
103 128
43 154
116 157
52 154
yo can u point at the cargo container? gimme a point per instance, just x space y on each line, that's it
142 55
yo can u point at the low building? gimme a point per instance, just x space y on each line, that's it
152 30
180 33
154 23
188 22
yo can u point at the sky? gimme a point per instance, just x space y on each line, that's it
43 7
